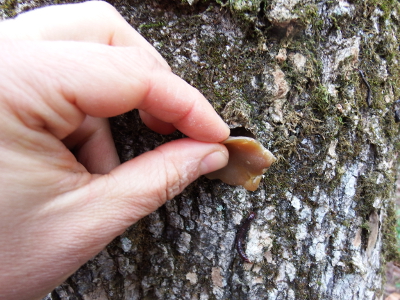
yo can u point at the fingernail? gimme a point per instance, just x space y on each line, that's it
213 161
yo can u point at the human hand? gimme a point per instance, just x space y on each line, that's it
63 69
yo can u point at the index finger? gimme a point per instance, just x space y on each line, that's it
93 21
72 79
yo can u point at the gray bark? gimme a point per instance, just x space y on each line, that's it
287 72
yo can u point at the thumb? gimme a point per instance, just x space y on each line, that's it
138 187
84 220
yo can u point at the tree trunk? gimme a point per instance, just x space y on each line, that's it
316 83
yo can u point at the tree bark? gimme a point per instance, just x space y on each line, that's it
287 72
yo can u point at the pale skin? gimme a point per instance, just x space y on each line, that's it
63 70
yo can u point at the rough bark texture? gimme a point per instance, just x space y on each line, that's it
286 71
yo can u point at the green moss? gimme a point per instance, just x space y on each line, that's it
391 244
308 14
8 6
152 25
321 99
245 5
